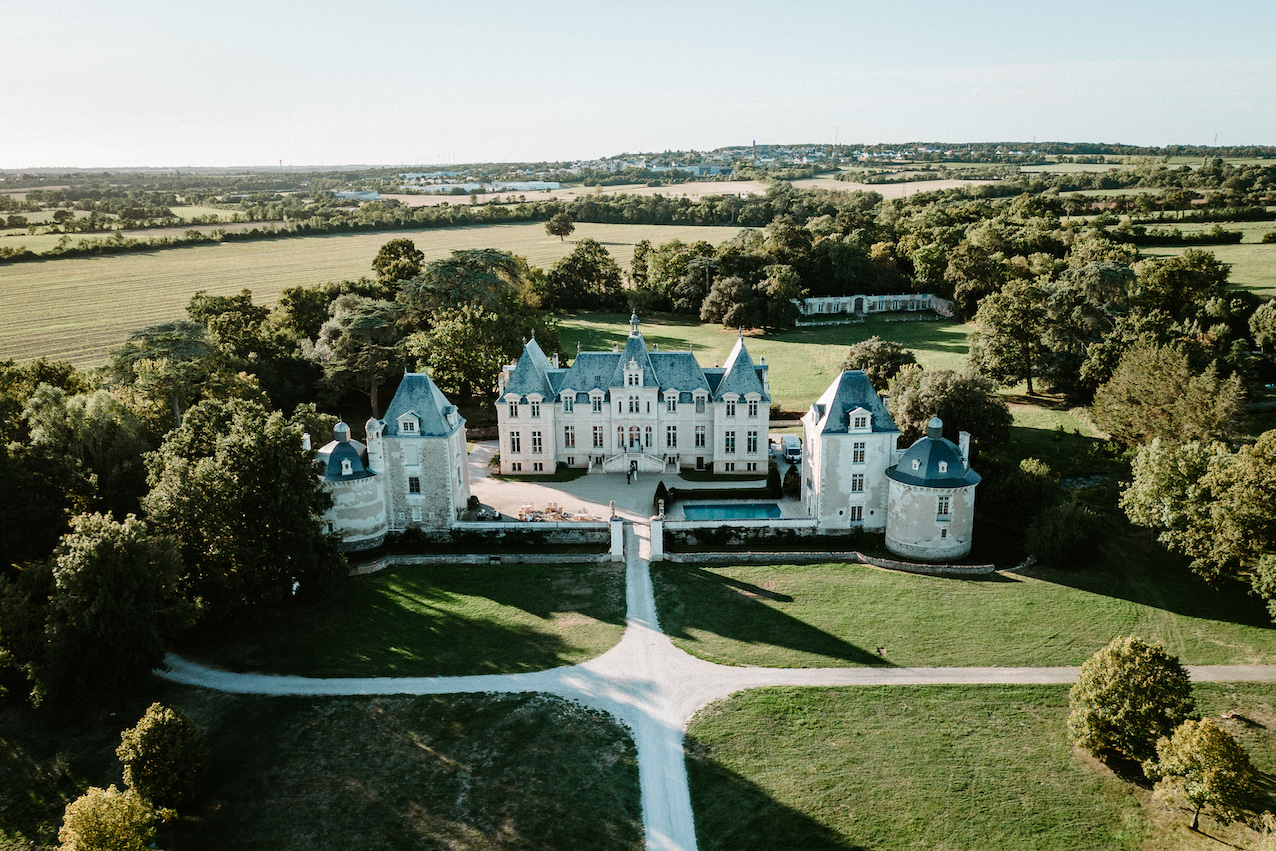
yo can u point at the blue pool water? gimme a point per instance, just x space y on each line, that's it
733 511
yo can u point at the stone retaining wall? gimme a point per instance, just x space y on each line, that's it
477 558
817 558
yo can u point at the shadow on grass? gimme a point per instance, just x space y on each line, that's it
734 813
690 598
1134 567
435 621
445 772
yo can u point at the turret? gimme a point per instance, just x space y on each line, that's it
376 449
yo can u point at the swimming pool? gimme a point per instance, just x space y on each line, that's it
733 511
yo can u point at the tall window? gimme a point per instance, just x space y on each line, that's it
536 409
671 437
516 442
598 437
699 404
414 484
857 514
857 452
671 404
598 404
857 483
646 438
699 437
536 443
569 437
941 513
753 407
620 438
728 442
513 410
633 404
569 404
730 407
753 442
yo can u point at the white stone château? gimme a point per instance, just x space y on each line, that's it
855 476
633 409
412 473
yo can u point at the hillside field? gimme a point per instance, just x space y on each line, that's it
79 308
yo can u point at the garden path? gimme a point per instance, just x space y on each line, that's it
653 688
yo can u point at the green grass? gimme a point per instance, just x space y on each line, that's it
79 308
933 767
438 621
836 615
1253 266
803 362
449 772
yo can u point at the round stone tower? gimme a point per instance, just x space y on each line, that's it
930 513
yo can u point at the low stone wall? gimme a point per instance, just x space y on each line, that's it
554 532
473 558
817 558
759 523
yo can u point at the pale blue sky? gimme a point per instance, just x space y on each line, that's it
174 83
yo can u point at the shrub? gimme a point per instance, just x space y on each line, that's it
107 820
1128 695
792 482
773 480
1269 237
1066 531
1202 764
163 756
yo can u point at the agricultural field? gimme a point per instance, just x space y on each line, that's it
465 772
79 308
837 615
1253 266
928 767
803 362
438 621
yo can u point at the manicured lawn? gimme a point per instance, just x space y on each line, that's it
437 621
835 614
927 767
78 308
803 362
448 772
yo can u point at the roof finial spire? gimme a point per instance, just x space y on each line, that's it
633 324
741 332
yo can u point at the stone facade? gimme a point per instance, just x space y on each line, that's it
931 513
633 408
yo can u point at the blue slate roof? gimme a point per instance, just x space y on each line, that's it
531 373
591 371
418 395
929 452
342 448
678 371
849 391
635 350
740 376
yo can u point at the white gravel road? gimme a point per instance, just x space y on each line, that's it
653 688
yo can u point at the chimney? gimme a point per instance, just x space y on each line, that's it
615 347
886 401
963 444
555 360
305 441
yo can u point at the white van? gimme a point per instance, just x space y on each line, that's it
792 448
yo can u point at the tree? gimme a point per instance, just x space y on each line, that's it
880 359
1180 285
964 402
586 279
462 350
1155 393
397 260
107 820
173 360
1127 696
1063 533
235 488
781 290
1262 325
560 225
359 346
1202 764
1008 343
972 273
236 326
734 303
114 604
164 756
638 267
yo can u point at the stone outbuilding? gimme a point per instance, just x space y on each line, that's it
930 515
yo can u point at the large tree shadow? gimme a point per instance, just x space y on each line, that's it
735 814
690 598
423 621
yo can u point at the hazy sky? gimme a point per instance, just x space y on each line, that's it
173 83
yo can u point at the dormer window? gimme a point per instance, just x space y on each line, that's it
731 407
513 410
408 426
569 403
943 466
598 404
917 465
346 469
671 403
699 404
536 408
861 421
753 407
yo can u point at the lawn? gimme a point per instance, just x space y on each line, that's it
79 308
838 615
437 621
933 767
1253 266
446 772
803 362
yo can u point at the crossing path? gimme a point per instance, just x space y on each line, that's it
653 688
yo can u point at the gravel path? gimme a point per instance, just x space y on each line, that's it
654 689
